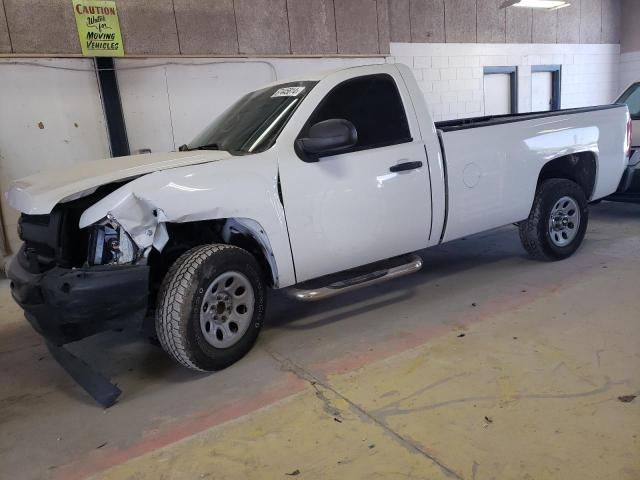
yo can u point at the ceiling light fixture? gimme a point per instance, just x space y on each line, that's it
544 4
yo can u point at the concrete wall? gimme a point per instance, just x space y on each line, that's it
451 75
207 27
483 21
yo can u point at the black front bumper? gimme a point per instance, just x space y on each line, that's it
65 305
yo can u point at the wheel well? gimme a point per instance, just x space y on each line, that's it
578 167
184 236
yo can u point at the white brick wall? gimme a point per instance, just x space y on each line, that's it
629 69
451 74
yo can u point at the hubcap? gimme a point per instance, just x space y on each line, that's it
564 221
226 309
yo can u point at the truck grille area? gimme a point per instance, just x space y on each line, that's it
53 240
56 239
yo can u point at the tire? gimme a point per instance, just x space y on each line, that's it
546 241
197 307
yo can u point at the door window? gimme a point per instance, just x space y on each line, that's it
373 104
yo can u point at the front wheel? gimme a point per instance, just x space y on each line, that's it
558 220
211 307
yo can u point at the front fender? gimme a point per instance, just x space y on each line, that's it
240 188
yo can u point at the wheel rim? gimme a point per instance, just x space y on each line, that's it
564 221
226 309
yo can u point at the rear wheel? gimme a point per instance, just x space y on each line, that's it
211 307
558 220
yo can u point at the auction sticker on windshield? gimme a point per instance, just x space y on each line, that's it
288 92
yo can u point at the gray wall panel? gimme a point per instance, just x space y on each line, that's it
263 26
630 41
357 26
519 22
460 20
5 42
148 27
54 32
206 26
492 21
590 21
544 28
384 34
427 21
569 23
612 20
313 26
318 27
400 20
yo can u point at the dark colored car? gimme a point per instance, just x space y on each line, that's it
629 188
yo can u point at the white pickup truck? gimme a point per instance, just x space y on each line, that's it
317 186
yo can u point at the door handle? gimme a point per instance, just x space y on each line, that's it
404 166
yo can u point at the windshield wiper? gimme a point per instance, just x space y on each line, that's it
209 146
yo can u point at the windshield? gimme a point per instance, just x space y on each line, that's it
632 98
253 123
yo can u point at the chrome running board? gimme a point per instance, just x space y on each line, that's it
378 276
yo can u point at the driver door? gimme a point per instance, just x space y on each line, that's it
369 202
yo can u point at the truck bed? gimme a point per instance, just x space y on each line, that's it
475 122
493 162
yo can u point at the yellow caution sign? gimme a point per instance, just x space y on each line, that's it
98 28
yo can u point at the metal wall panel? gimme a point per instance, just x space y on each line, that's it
312 26
384 33
357 26
148 28
460 20
544 28
34 31
569 23
492 21
263 26
630 41
519 23
612 20
590 21
5 41
206 26
400 20
427 21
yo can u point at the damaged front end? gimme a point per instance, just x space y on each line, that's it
73 282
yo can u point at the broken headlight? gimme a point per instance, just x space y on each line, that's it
110 244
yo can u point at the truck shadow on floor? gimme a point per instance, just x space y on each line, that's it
615 212
438 263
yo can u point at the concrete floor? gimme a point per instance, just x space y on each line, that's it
484 365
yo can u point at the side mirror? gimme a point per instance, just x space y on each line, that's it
326 138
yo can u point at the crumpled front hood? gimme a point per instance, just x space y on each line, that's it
39 193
